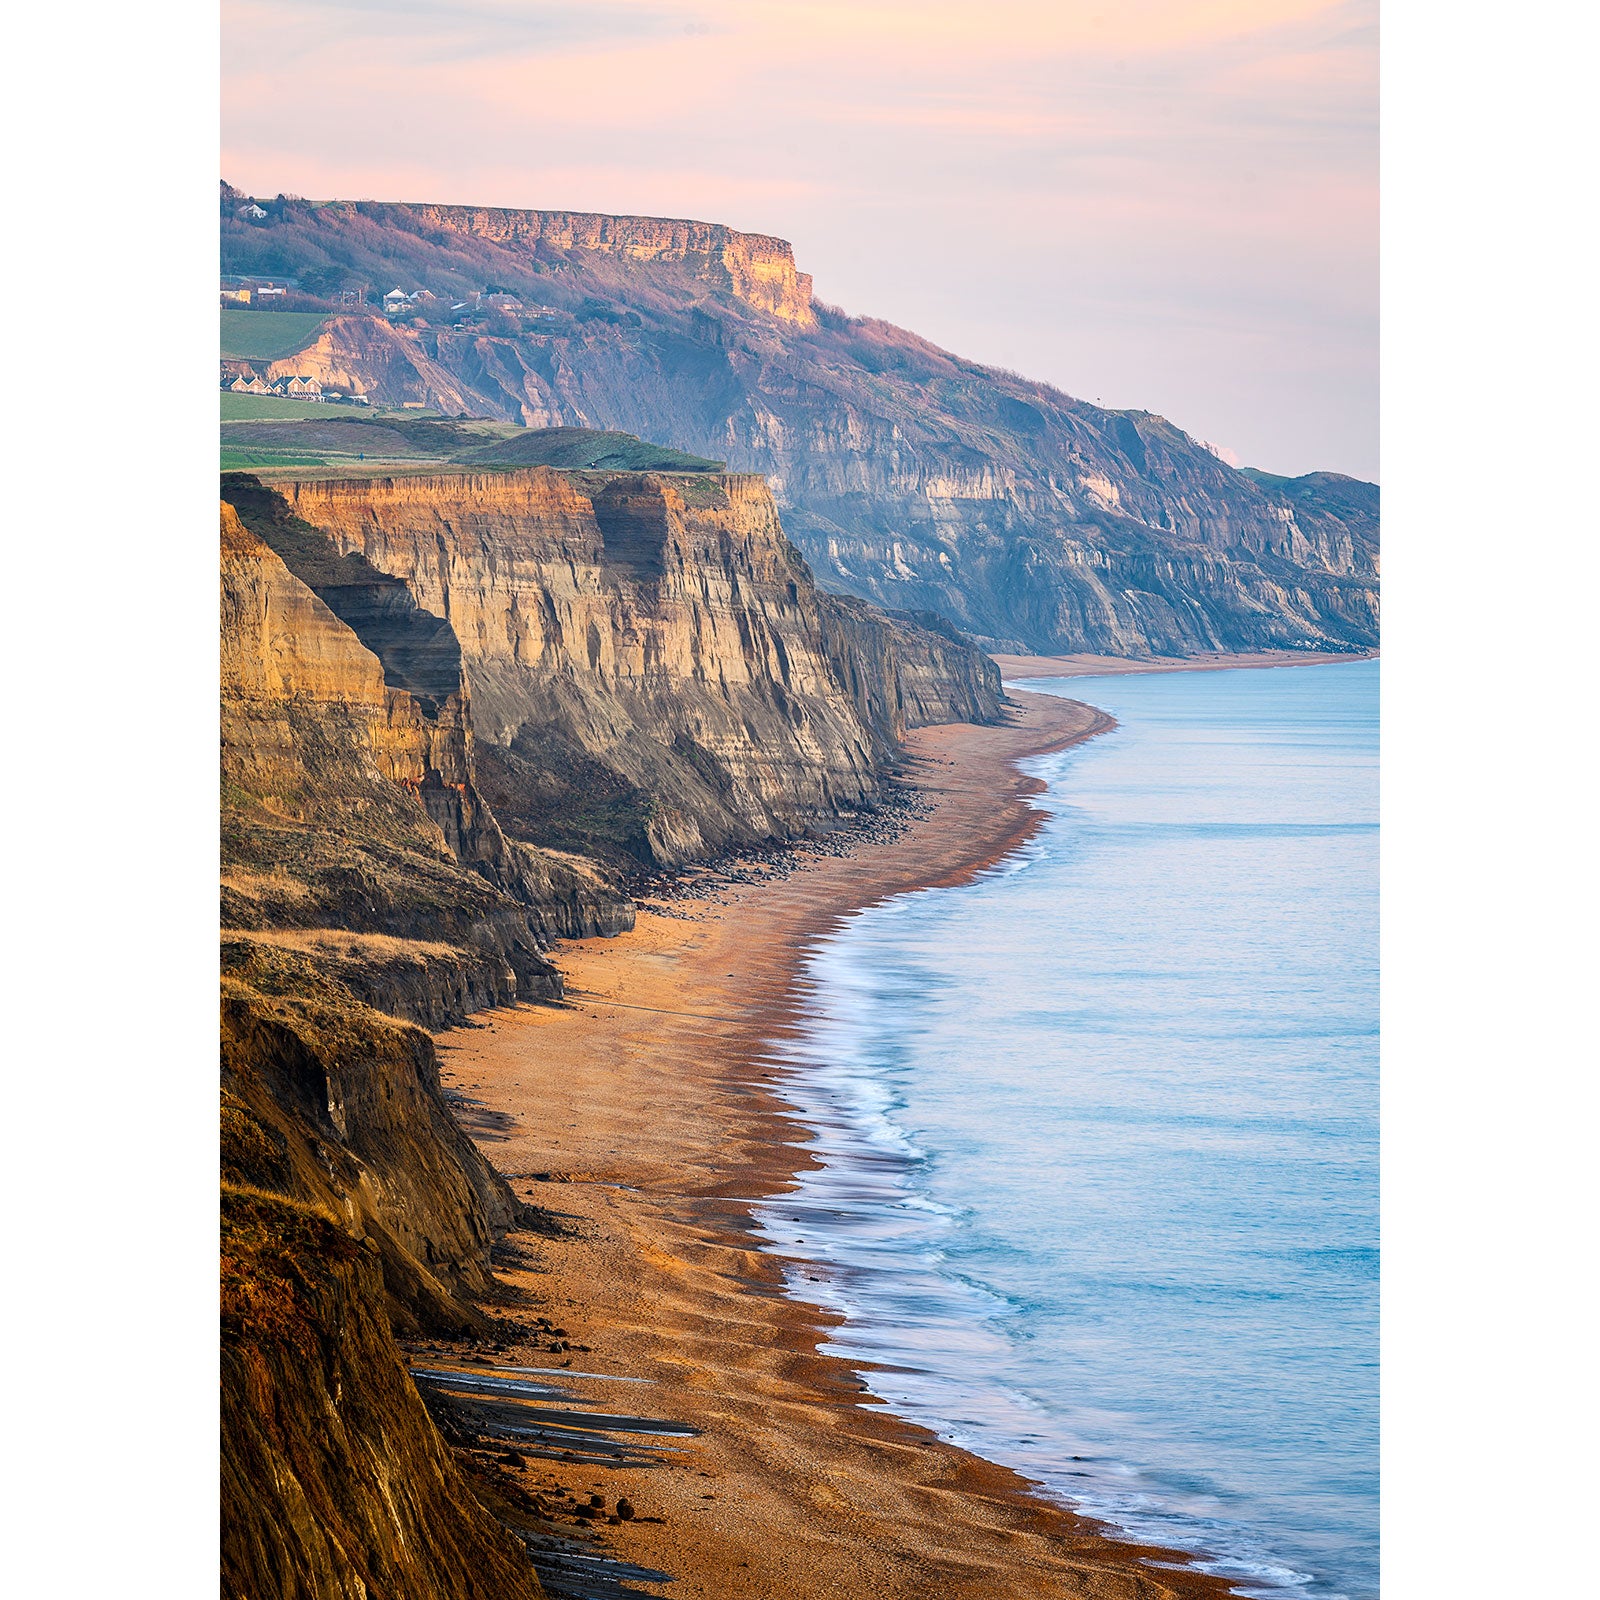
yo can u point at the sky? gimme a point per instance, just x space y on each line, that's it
1167 205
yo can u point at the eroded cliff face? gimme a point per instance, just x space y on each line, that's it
340 888
349 794
906 474
648 656
336 1105
353 1204
335 1483
652 671
753 267
365 355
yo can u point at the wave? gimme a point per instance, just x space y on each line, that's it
861 1237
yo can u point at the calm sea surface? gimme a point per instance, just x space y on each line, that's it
1100 1131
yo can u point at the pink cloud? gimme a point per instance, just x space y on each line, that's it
1172 195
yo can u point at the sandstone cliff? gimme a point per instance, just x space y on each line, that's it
653 674
349 802
358 865
752 267
906 475
340 887
335 1483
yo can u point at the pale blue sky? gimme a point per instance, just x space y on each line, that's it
1164 204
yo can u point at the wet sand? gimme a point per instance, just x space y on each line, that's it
641 1112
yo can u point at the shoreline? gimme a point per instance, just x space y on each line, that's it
1020 668
647 1112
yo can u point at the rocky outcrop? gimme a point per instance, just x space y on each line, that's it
335 1483
349 794
336 1105
753 268
653 674
353 1204
906 475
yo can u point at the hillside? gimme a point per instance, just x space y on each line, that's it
906 474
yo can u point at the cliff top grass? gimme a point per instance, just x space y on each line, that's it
268 335
306 440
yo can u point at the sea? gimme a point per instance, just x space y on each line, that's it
1099 1131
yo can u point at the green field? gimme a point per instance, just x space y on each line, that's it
260 407
274 437
268 335
249 460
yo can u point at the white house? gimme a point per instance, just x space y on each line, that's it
395 297
251 211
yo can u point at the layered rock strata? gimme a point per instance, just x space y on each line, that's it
353 1204
348 784
753 268
657 674
906 475
653 673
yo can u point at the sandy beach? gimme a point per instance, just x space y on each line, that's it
641 1112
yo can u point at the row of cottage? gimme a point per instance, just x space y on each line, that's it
240 378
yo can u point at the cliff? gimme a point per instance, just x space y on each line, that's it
753 268
358 867
637 664
335 1483
653 675
349 800
906 475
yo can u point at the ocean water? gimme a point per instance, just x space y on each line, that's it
1099 1131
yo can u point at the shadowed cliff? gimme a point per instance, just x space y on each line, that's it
349 802
906 474
653 675
335 1482
359 870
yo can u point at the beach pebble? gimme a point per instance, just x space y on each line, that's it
625 1510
